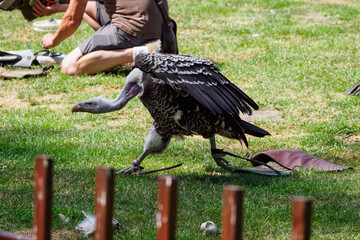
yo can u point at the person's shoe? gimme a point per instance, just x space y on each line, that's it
49 58
153 46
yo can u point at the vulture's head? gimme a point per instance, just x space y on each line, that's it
132 88
94 105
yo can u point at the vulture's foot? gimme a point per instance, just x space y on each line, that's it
133 168
222 162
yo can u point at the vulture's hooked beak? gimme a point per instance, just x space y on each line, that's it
76 108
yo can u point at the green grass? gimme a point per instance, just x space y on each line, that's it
297 57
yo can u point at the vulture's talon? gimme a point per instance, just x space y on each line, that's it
221 159
222 162
129 170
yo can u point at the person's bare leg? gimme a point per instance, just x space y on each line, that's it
75 63
98 61
90 15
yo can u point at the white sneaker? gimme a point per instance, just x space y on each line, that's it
50 58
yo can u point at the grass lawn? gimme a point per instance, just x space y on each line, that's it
295 58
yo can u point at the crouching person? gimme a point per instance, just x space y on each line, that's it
124 28
32 9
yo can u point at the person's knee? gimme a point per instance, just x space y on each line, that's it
68 67
69 64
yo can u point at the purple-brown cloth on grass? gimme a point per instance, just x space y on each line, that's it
296 158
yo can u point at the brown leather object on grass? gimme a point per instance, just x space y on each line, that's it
23 73
296 158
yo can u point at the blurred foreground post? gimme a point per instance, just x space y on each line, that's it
232 218
42 202
301 218
166 208
104 203
43 197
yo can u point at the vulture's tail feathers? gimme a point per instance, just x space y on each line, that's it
253 130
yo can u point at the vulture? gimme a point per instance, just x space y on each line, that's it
185 96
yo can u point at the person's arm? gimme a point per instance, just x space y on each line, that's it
40 10
69 23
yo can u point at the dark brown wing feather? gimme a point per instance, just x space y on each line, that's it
200 78
354 90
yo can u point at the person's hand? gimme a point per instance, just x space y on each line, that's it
48 41
40 10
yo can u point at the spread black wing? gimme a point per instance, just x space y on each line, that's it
354 90
200 78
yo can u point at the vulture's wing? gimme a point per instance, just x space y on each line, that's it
200 78
354 90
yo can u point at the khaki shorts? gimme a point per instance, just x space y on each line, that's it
101 15
108 37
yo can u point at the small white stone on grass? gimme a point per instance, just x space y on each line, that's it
209 227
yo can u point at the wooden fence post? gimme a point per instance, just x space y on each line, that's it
232 218
104 203
43 197
301 218
166 208
42 202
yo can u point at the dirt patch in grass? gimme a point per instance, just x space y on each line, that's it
349 139
9 100
101 89
263 115
238 55
50 97
117 123
316 16
55 234
327 1
190 31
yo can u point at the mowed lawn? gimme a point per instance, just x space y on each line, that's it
294 58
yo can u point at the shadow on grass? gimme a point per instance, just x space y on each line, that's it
267 199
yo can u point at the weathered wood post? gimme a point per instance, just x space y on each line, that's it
301 218
43 197
232 219
104 203
42 202
166 208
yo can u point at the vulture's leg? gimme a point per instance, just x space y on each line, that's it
219 159
154 143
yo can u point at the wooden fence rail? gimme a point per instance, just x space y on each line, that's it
232 216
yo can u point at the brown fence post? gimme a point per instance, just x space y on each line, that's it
301 218
166 208
43 197
232 218
104 203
